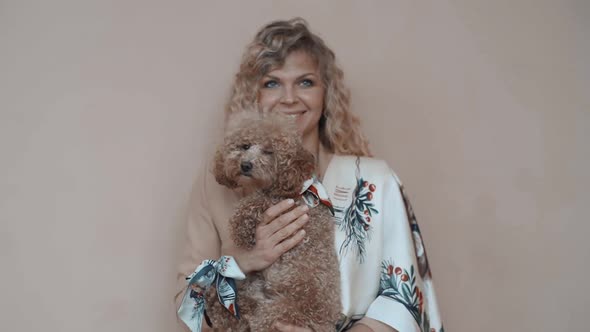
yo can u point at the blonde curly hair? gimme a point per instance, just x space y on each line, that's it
340 130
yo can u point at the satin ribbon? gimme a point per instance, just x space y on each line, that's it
223 273
314 193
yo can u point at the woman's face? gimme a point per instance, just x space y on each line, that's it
296 90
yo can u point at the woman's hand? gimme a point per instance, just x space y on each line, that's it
290 328
278 232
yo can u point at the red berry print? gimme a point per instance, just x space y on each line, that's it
398 270
404 277
390 270
359 215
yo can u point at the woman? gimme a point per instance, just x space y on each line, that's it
386 282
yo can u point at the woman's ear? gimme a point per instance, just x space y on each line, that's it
219 169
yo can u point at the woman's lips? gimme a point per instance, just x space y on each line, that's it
294 114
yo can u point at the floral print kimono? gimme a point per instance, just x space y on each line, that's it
384 269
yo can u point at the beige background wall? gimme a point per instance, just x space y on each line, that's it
108 109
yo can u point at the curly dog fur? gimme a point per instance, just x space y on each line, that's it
302 287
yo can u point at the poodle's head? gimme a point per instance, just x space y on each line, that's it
263 151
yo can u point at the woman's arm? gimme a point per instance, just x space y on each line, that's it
407 299
368 324
279 231
361 328
201 239
364 325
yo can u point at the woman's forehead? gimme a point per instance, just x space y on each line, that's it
296 64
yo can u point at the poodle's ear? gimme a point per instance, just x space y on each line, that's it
219 169
297 168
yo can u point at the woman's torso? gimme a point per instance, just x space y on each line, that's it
358 242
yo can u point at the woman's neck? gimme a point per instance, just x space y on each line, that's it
311 143
321 154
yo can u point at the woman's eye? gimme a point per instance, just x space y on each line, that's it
271 84
245 147
267 152
306 83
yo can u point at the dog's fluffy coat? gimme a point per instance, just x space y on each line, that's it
302 287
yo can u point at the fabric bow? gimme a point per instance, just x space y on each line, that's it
223 272
314 193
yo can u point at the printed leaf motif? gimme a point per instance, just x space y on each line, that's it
400 285
355 220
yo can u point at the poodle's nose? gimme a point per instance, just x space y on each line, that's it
246 166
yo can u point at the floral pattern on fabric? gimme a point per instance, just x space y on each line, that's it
313 193
222 273
356 219
400 285
423 266
401 296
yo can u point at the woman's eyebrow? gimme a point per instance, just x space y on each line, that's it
304 75
271 77
298 77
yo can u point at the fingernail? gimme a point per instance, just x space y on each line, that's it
304 208
290 201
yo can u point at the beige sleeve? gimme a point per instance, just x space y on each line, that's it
201 239
376 325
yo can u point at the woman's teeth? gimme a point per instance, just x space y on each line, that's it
294 115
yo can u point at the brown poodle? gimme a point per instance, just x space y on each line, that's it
263 152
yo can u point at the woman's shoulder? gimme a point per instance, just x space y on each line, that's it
372 164
366 166
208 192
363 160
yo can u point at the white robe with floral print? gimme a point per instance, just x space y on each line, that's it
384 269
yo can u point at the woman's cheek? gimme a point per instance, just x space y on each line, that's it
314 97
268 100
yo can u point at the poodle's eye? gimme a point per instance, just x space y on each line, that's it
245 147
267 152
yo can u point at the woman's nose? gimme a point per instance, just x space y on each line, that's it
289 96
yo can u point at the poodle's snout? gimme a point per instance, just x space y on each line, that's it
246 167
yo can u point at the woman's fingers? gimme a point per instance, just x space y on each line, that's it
279 231
289 229
285 219
276 210
291 242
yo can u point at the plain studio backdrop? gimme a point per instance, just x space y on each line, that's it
110 108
